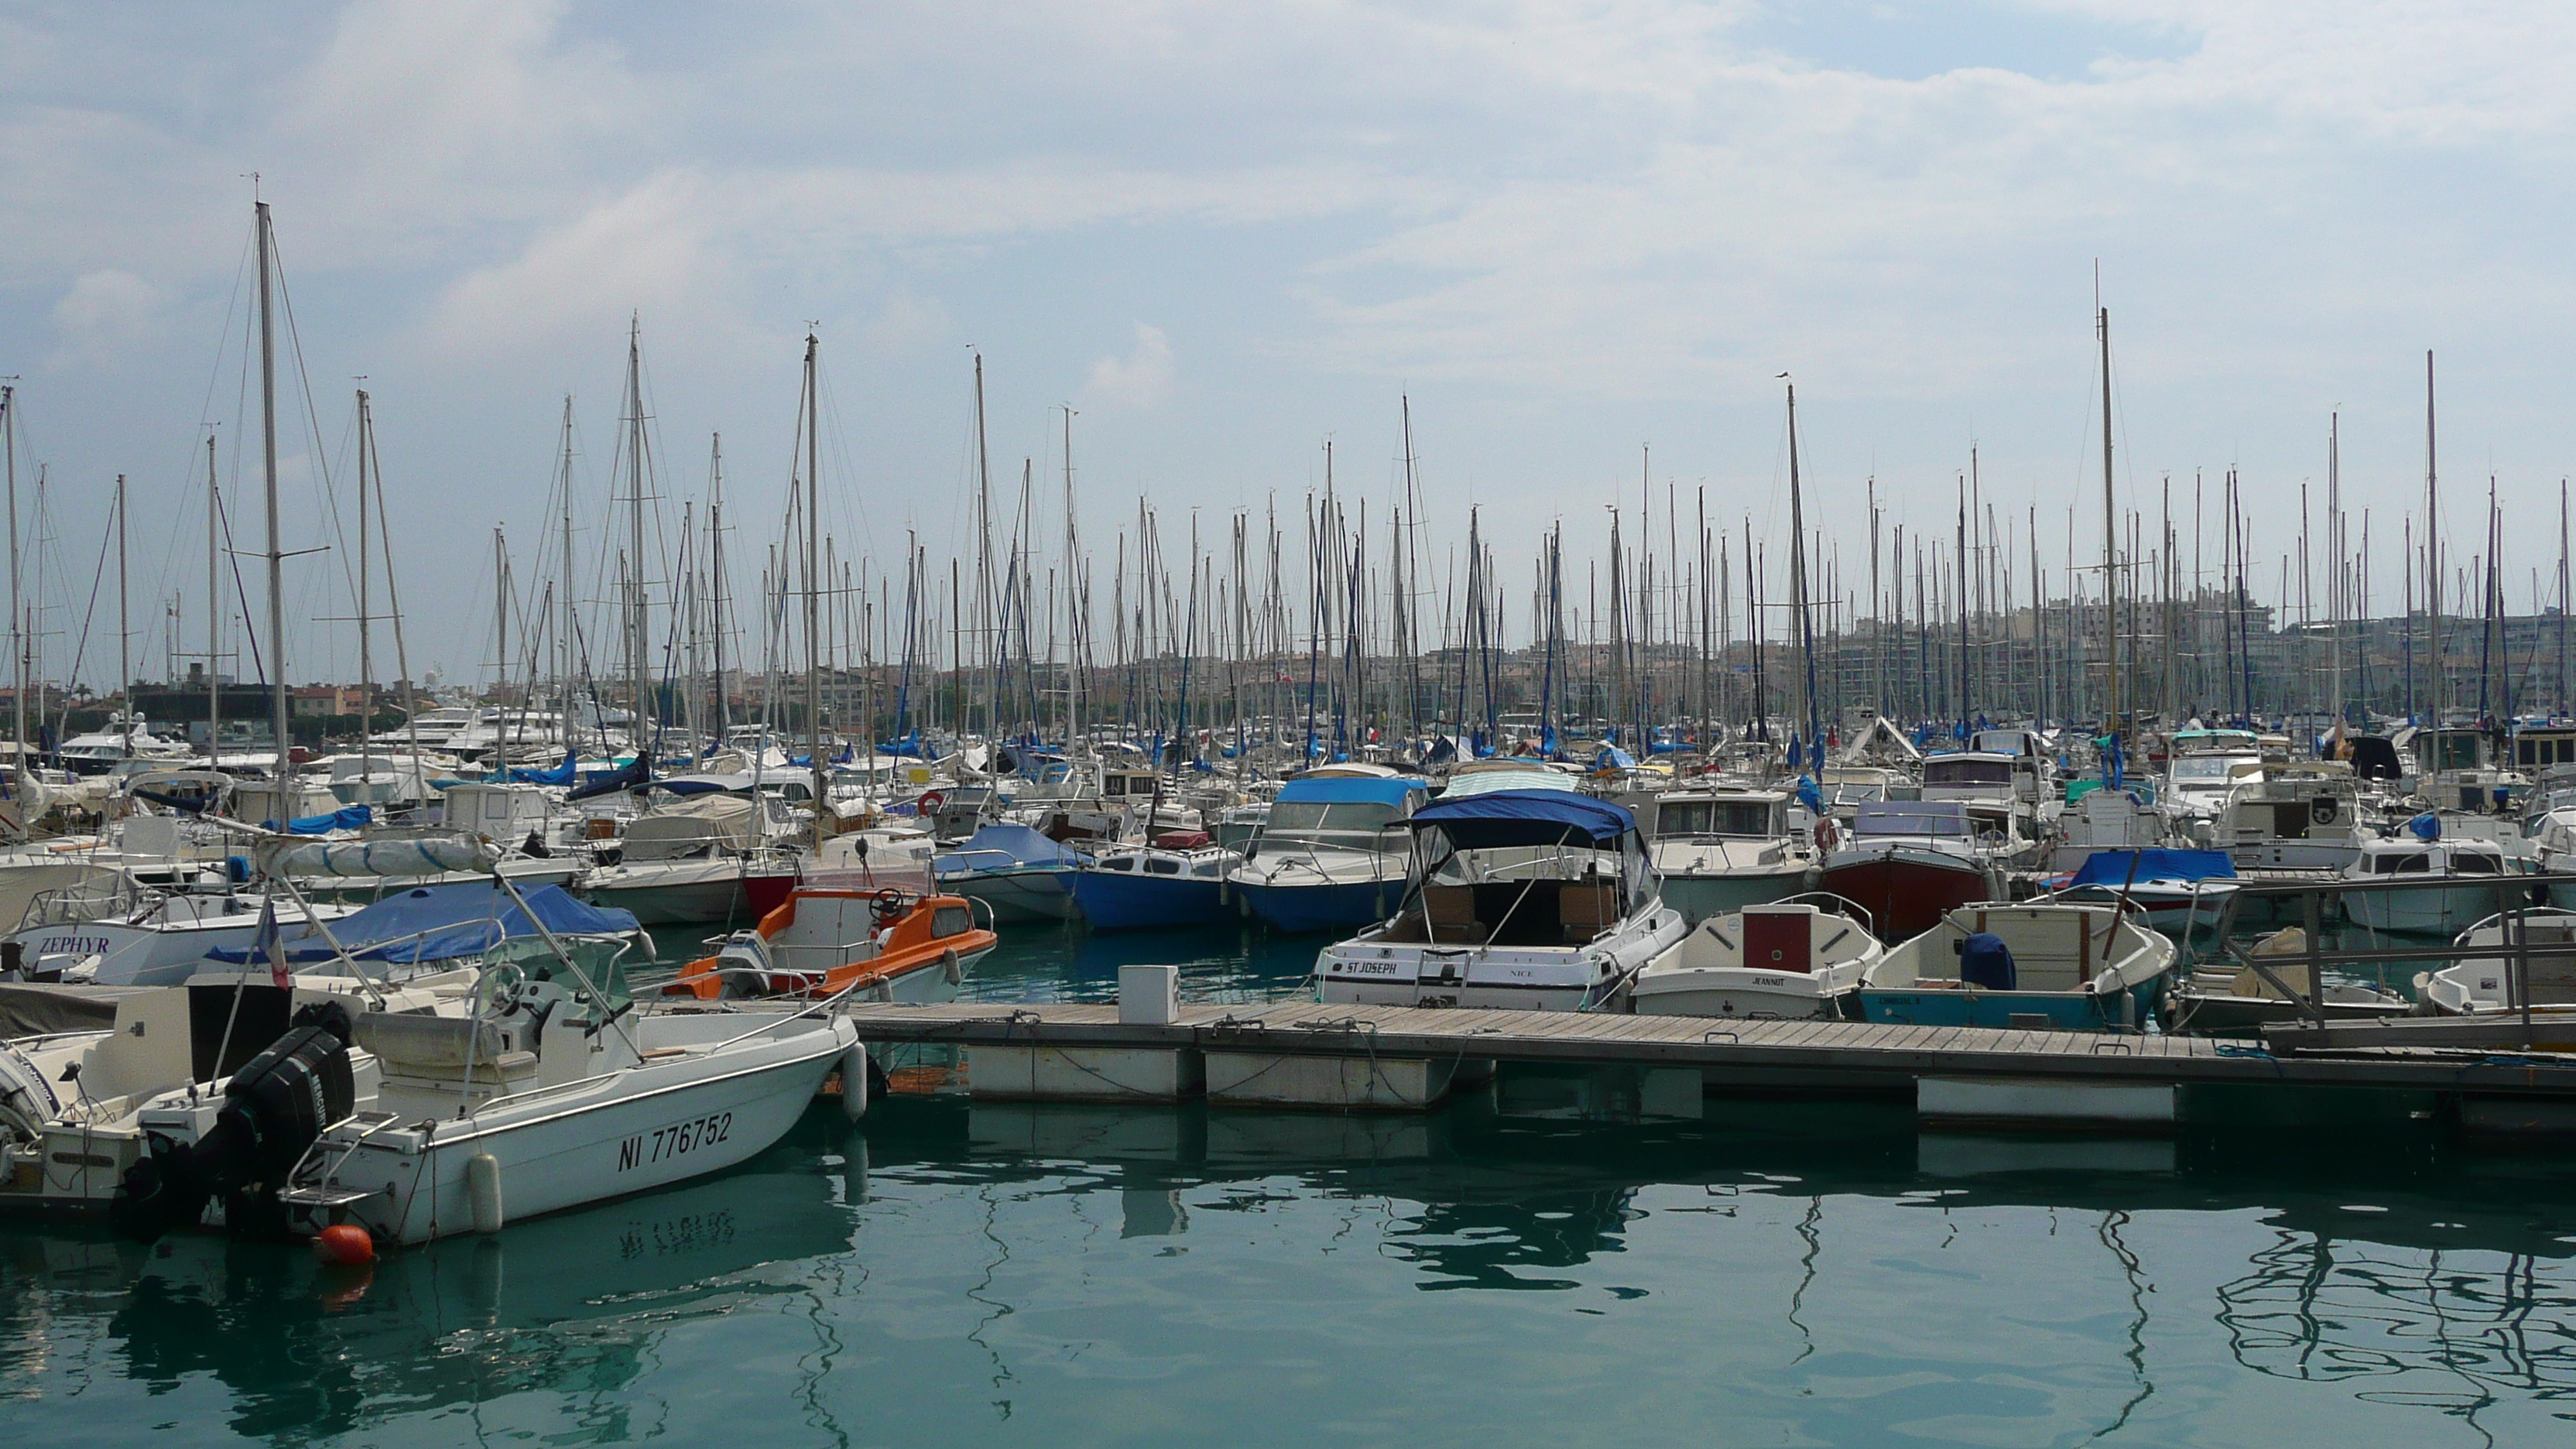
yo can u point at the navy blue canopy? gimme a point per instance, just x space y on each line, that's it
443 922
2111 867
1505 818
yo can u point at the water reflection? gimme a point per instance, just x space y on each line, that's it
1802 1271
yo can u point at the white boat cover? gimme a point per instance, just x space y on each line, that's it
406 856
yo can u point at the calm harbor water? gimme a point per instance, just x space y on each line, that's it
1539 1262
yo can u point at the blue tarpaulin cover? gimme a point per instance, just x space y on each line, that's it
347 817
557 775
1333 790
1001 847
1984 960
1507 818
2111 867
443 922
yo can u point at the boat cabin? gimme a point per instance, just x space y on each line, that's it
2537 747
1721 815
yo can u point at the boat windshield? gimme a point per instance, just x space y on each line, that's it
1967 772
2204 768
1713 817
1892 821
1319 817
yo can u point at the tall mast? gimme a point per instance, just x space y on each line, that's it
366 658
17 650
567 659
124 632
635 604
2110 544
2433 566
1798 582
2335 601
813 588
716 579
214 609
277 715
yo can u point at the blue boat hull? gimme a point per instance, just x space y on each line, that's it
1116 901
1301 908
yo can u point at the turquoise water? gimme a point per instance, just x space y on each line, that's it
1540 1262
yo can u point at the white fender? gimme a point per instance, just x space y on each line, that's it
854 1081
483 1189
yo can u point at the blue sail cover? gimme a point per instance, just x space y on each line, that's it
558 775
347 817
1001 847
444 922
2111 867
1507 818
1333 790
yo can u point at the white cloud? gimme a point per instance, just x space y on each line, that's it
102 317
1141 379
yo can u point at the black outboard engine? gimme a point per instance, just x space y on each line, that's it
274 1107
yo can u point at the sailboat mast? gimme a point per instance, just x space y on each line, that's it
277 716
214 611
2433 567
366 658
1798 587
567 658
635 604
716 582
813 588
17 651
2110 544
124 631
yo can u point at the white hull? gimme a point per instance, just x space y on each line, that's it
1362 972
587 1141
692 892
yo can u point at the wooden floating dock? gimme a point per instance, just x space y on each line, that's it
1387 1057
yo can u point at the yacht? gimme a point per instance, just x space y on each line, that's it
2204 768
124 738
1525 900
2479 870
2299 817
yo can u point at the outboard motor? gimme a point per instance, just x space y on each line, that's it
273 1109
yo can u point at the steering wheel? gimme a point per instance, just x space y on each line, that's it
886 906
498 993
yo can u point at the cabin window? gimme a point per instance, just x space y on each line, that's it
1300 817
1161 866
951 921
1208 868
2471 864
1968 772
2413 864
1121 863
1114 785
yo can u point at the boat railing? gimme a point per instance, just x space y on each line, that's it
2304 904
84 901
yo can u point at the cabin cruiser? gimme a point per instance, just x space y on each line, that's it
2479 869
2305 816
2458 768
2204 768
1020 874
1178 881
1910 861
2102 817
2048 967
1523 900
1720 848
114 933
1332 855
1780 960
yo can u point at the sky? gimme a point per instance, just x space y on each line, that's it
1226 234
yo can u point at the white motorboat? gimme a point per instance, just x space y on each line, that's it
1524 900
2479 870
2476 985
1785 960
2204 770
114 934
2043 967
2304 816
1718 849
2106 819
551 1095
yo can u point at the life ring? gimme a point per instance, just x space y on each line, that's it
1827 834
930 800
2323 809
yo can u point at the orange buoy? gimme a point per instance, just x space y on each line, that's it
344 1244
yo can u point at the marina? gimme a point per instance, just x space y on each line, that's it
1780 724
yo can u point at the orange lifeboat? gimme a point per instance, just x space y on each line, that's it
889 945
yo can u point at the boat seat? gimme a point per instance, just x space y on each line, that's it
1449 911
412 1044
1586 909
